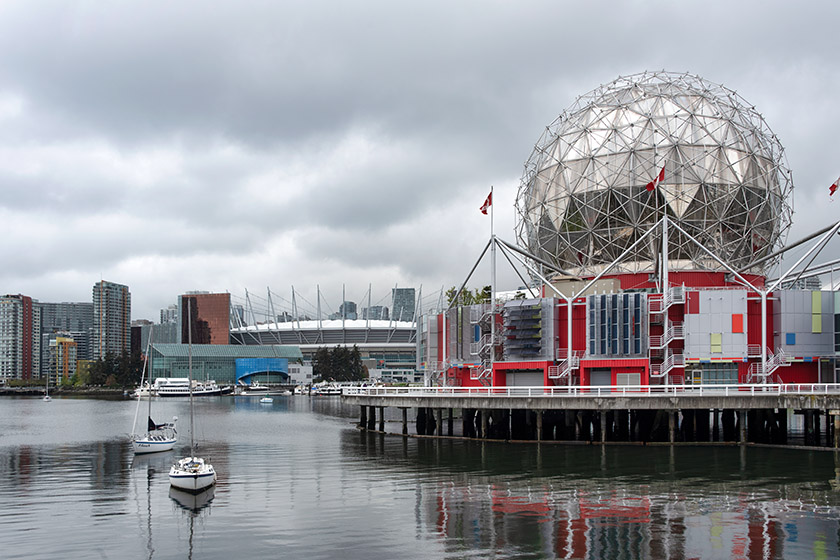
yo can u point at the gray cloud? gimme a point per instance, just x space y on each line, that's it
234 145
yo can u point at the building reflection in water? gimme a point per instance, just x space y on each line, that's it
585 523
579 502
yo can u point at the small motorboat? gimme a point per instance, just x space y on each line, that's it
266 400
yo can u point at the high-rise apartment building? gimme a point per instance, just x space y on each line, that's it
71 318
347 310
20 338
210 317
169 315
111 319
63 359
403 304
376 312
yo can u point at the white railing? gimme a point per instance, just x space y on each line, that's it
566 366
676 294
484 344
477 374
774 362
477 312
673 331
671 361
657 305
631 391
754 350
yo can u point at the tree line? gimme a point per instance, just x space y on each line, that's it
338 364
467 296
123 370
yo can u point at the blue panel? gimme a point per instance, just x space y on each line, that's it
247 367
790 338
476 333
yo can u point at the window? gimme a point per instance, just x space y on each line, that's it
720 374
628 378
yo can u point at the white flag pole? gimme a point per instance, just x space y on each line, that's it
492 287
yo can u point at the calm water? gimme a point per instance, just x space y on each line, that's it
297 480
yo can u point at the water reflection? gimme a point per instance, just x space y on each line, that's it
299 478
614 502
193 506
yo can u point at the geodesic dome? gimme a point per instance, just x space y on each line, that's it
586 195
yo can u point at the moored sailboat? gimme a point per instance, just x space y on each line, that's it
192 474
158 437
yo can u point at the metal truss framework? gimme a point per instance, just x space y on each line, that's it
585 195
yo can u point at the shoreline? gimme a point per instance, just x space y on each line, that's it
63 391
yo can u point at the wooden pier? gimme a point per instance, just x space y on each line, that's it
600 414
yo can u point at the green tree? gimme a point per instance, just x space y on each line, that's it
321 364
123 371
469 297
338 364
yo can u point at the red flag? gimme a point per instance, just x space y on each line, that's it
661 177
487 203
833 187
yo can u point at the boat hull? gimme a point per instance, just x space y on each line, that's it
143 445
192 475
186 393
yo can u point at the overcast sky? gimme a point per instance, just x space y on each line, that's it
233 146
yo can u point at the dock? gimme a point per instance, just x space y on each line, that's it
742 413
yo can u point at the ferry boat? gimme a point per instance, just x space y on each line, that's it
180 387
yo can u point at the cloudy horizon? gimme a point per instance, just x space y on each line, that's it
249 145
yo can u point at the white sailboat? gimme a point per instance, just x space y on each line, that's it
192 474
47 397
158 437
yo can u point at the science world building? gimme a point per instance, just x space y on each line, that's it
650 216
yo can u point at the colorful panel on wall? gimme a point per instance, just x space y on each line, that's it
717 343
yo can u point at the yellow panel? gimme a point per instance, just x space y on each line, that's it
816 323
816 302
717 343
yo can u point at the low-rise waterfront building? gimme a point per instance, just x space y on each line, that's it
226 364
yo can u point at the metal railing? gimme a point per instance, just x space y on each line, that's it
673 331
485 343
674 295
671 361
774 362
754 350
565 366
477 374
631 391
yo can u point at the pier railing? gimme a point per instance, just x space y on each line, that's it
631 391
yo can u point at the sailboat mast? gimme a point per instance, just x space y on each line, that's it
145 366
189 365
140 391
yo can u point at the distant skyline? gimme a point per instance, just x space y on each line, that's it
246 145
